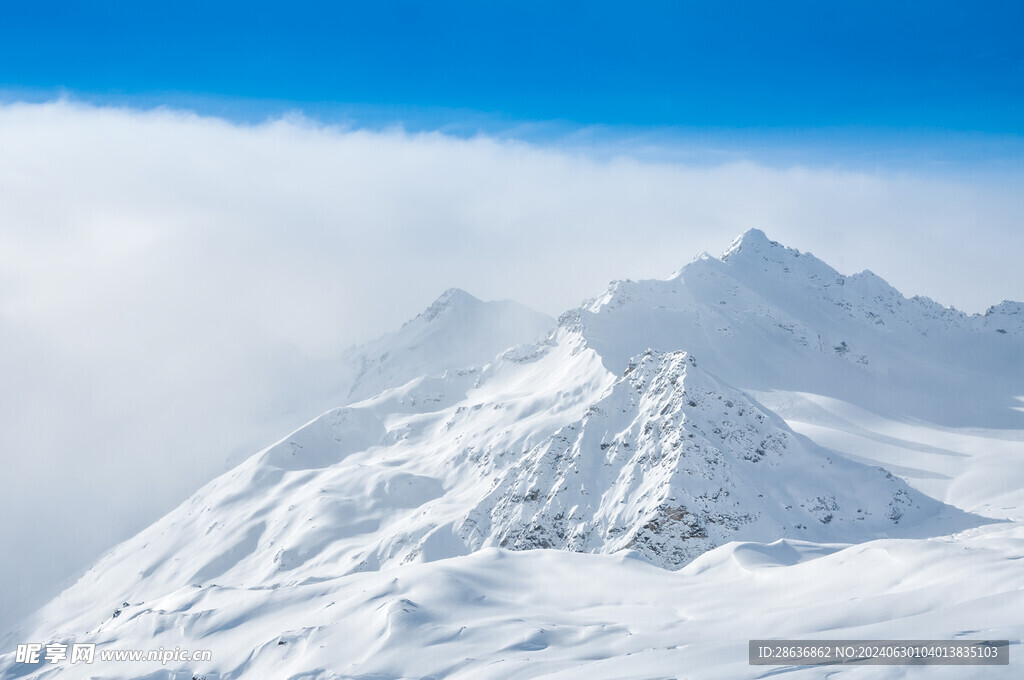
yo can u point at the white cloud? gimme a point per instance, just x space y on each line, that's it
164 276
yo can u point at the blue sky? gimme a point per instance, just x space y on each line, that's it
777 68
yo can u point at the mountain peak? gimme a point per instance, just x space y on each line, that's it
713 466
751 240
753 254
456 294
453 297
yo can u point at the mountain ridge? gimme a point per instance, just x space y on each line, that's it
770 317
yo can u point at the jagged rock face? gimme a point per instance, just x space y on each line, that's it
1006 318
672 463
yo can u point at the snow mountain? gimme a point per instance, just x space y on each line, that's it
672 463
482 442
767 317
456 331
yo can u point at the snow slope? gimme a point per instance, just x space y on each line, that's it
979 470
456 331
554 614
374 541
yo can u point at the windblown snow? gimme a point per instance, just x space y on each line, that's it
755 447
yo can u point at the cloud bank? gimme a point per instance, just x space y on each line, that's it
164 277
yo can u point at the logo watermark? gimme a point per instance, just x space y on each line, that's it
79 652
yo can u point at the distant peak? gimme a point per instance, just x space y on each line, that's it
453 297
750 240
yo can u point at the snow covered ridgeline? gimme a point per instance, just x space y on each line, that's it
672 463
767 317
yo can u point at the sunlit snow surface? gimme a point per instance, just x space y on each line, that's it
679 467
